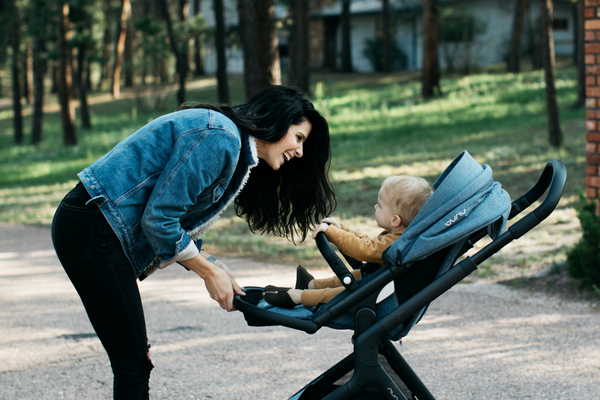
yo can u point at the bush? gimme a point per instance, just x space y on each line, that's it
583 260
374 53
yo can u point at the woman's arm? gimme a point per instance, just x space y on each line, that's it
196 161
219 281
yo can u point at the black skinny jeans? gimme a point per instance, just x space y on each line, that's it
94 260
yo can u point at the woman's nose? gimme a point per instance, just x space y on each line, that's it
299 150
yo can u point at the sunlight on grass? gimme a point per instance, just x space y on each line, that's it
32 205
379 127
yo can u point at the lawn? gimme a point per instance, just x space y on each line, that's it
379 126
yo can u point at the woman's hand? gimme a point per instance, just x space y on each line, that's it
236 288
221 287
219 281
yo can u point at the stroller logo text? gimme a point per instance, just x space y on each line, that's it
392 393
458 214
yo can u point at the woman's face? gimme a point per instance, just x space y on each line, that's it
290 146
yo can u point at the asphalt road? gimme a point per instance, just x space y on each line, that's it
478 341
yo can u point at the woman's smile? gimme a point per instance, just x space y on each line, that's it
290 146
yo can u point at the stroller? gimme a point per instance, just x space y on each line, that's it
422 264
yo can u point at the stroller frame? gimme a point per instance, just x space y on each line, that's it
371 346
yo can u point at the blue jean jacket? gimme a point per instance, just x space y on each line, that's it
161 188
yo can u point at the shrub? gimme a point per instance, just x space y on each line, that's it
374 53
583 260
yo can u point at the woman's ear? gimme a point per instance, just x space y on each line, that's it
396 221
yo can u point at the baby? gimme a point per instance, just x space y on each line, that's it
400 199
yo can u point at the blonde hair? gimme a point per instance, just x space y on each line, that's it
408 194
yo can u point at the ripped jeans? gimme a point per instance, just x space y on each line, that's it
93 258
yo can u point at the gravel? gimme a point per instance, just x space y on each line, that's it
477 341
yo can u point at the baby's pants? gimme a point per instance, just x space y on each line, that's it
325 290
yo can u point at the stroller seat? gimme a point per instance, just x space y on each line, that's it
422 265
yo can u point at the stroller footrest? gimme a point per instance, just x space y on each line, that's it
257 316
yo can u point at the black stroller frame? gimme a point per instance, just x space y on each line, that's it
370 380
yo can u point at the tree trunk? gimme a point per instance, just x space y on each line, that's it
180 65
554 131
299 74
129 56
386 27
183 10
73 68
346 38
64 78
535 43
16 87
223 90
88 75
84 109
431 69
106 44
261 58
198 56
116 79
514 57
39 70
54 73
248 38
580 53
27 73
330 46
104 61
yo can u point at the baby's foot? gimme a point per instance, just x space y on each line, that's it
278 297
303 278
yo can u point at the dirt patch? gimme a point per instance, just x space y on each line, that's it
556 282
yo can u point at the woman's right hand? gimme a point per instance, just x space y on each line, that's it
219 282
222 287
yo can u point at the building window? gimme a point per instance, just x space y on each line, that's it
560 24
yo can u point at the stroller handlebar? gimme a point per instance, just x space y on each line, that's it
336 264
553 178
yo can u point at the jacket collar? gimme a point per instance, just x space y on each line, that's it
249 153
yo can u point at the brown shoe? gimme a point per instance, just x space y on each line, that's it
302 278
278 297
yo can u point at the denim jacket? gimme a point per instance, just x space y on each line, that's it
164 186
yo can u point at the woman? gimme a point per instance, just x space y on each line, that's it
146 204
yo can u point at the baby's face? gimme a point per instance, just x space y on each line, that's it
384 215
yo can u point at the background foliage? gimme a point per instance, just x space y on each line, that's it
584 259
379 126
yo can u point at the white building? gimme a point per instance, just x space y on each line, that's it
490 45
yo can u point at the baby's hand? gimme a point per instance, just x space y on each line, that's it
331 221
320 228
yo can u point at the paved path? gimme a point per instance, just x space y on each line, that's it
476 342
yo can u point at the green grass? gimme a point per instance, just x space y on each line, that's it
379 126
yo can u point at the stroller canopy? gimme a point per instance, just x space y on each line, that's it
466 199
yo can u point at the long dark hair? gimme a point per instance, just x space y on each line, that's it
287 202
